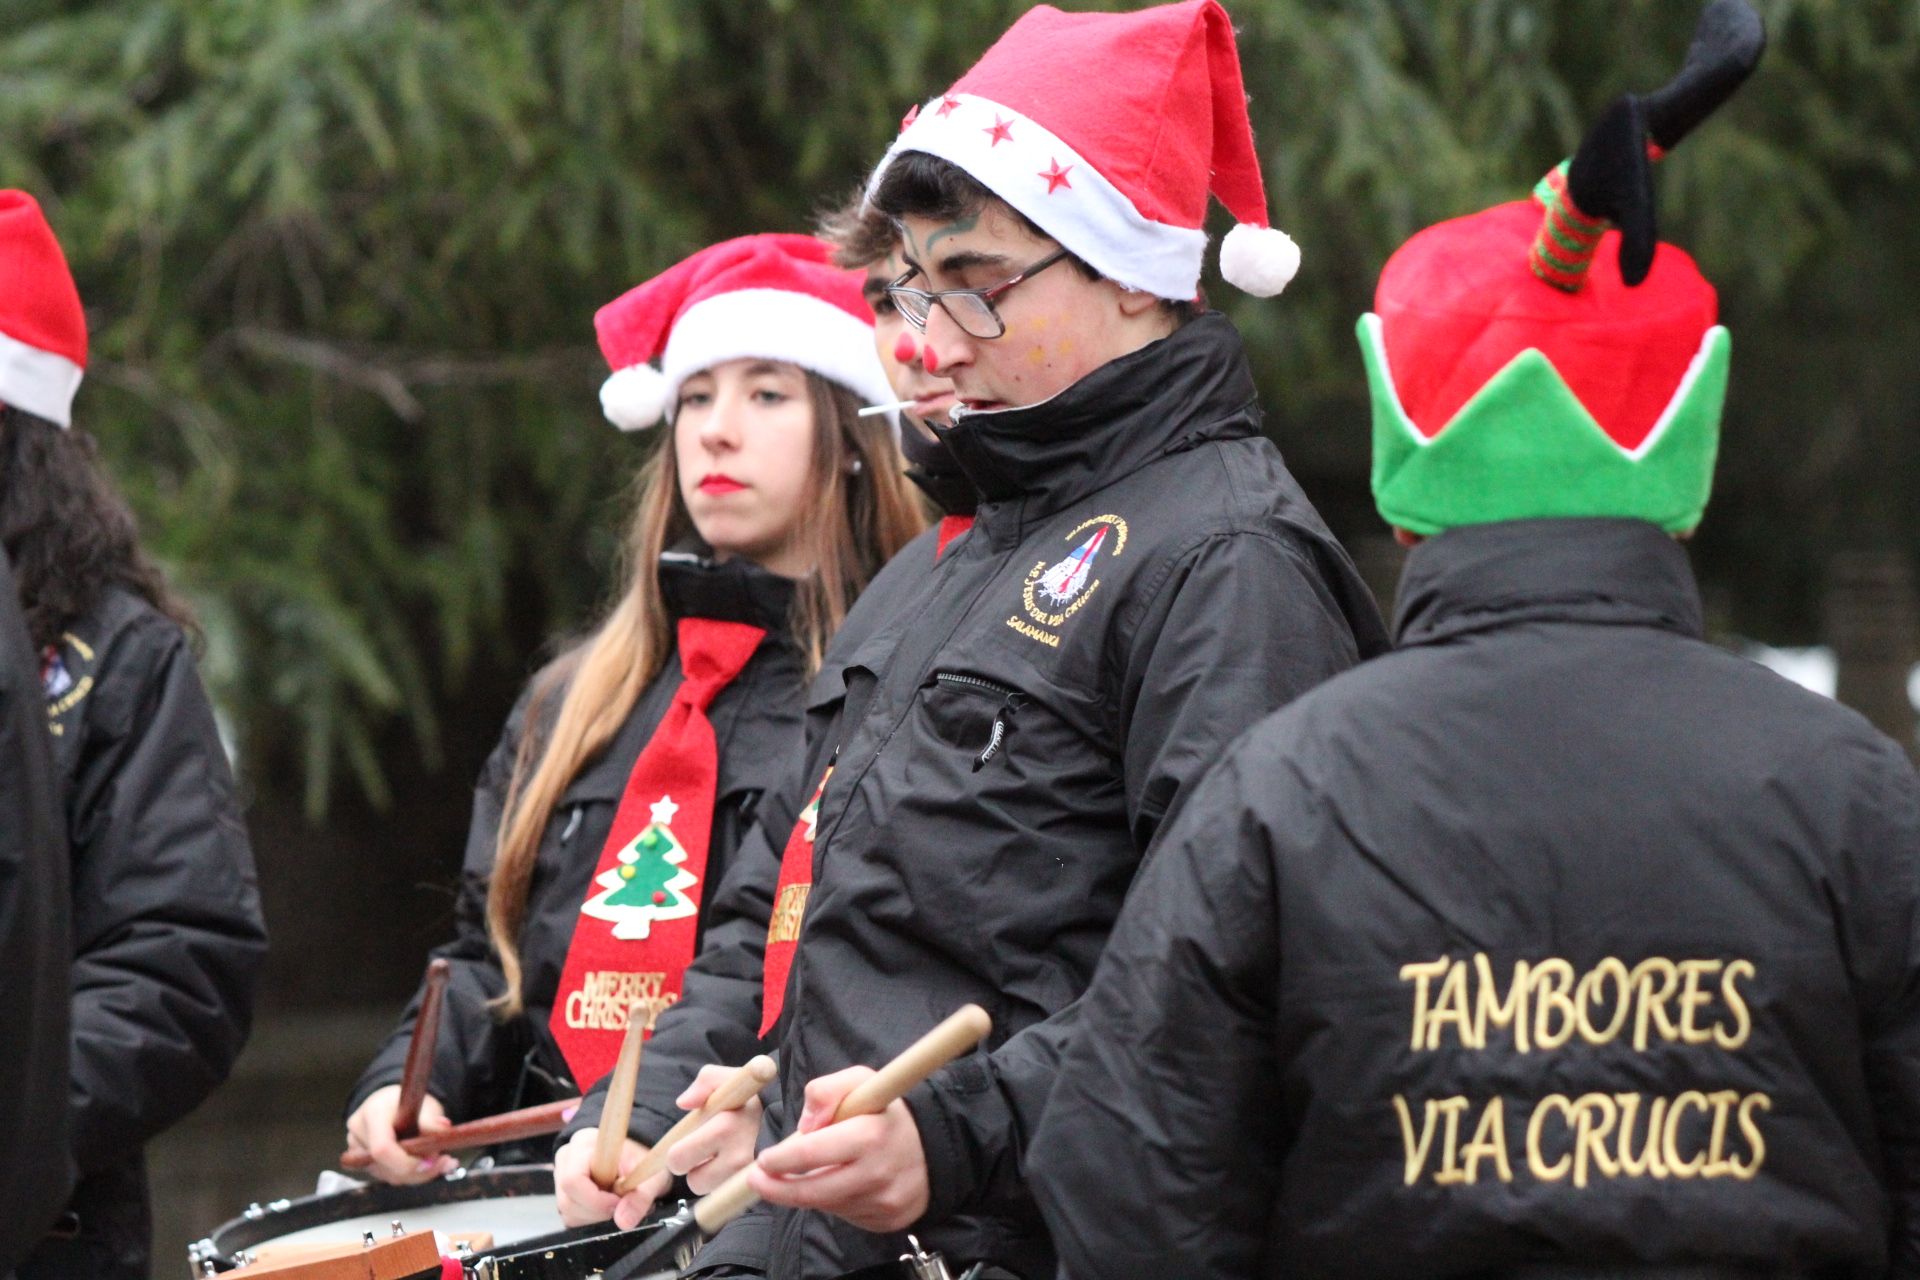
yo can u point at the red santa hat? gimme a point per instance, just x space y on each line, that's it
1108 131
766 297
43 332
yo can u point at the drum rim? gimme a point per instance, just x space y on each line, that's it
283 1217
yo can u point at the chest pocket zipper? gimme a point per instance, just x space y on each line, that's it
1011 702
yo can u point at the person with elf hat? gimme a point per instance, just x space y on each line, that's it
631 767
1559 943
1143 579
723 994
166 931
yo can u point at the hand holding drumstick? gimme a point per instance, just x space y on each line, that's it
720 1097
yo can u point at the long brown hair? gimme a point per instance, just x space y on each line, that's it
858 517
68 531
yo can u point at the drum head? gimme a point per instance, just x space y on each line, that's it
513 1204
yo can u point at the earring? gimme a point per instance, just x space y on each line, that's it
854 468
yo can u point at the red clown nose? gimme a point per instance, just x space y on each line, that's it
930 360
905 349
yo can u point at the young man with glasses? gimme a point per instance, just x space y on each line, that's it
1143 580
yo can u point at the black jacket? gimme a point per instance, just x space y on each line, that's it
35 1173
482 1065
167 933
1553 772
1143 580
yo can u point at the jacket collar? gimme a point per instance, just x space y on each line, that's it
1623 572
933 468
694 585
1191 386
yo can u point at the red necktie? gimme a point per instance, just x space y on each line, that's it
789 909
634 936
951 527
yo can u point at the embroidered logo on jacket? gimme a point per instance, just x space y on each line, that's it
63 691
1053 592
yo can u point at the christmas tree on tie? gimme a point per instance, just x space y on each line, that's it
649 884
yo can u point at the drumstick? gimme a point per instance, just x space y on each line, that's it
959 1033
618 1107
508 1126
730 1095
426 1032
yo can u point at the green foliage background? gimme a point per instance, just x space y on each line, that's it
341 260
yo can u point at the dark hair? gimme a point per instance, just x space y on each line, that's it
859 233
68 531
919 185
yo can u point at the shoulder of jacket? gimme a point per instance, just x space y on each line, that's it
122 632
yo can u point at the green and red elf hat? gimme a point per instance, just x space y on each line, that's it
1548 357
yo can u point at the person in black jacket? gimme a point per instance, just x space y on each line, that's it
167 936
715 1025
757 524
1559 942
1143 579
34 922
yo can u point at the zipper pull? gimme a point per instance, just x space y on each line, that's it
1002 726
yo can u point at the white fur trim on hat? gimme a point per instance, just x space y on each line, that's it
1259 260
1024 164
39 382
775 324
634 398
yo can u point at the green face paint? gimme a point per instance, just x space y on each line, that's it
959 226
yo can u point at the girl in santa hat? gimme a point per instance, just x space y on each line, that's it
630 768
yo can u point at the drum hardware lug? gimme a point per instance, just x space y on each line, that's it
398 1230
279 1206
366 1239
457 1173
484 1163
922 1265
207 1268
255 1211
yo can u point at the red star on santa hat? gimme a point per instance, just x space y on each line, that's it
1002 131
906 121
947 104
1057 177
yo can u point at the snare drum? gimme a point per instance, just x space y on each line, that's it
513 1204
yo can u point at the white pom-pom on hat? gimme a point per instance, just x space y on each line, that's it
1259 260
635 397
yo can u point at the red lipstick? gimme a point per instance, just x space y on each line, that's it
719 484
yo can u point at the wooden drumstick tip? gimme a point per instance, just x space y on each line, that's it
730 1094
964 1028
618 1108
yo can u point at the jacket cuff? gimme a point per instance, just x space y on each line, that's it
941 1109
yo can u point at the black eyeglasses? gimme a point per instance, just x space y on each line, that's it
971 309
